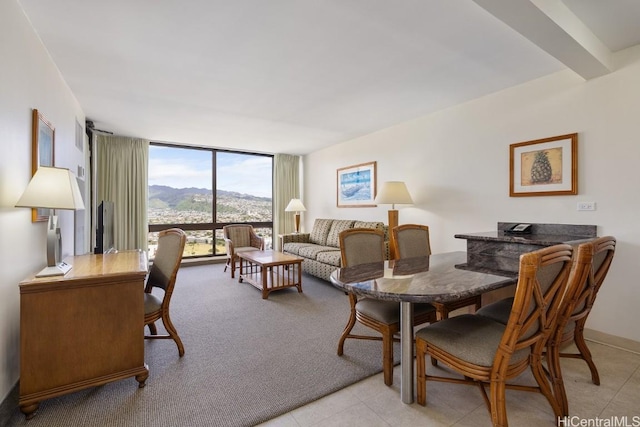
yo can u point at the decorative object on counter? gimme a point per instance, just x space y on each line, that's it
392 193
295 205
544 167
42 153
52 188
356 186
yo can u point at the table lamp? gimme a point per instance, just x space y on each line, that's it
52 188
392 193
295 205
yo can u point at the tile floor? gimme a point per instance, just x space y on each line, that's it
370 403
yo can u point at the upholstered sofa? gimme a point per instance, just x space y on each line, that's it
321 247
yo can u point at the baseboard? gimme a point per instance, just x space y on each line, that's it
612 340
190 262
9 405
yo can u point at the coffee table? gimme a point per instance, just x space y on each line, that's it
270 270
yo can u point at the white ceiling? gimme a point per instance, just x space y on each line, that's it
294 76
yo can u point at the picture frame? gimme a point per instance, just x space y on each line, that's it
356 186
544 167
42 154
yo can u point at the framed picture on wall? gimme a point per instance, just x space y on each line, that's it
544 167
356 185
42 151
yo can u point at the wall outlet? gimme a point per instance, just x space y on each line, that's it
586 206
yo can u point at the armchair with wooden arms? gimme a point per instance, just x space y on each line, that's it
240 238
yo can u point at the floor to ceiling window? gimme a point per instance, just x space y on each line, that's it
181 183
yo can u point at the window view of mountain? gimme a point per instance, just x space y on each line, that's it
168 205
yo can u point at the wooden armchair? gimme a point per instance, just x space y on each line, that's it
487 352
240 238
366 245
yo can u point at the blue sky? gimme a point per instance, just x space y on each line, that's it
182 168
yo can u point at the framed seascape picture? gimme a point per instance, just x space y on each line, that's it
356 186
544 167
42 149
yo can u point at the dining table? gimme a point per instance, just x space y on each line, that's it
439 277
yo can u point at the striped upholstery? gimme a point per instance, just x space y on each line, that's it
321 247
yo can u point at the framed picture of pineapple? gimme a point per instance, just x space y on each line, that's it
544 167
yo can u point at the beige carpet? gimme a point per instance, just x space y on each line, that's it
247 360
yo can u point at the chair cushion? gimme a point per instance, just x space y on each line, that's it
245 249
498 311
295 248
469 337
312 251
320 231
151 303
338 226
387 312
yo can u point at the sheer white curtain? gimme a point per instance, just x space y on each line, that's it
286 186
122 177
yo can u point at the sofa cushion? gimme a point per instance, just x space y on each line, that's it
320 231
295 247
375 225
312 251
369 224
330 257
338 226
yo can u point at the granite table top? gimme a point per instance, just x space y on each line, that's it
425 279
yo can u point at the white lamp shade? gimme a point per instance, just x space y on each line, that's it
393 192
52 188
295 205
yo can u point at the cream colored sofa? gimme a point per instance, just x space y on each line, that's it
321 247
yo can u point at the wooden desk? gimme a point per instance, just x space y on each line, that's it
83 329
425 279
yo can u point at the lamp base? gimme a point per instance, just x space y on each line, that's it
297 223
59 269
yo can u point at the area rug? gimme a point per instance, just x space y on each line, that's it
247 360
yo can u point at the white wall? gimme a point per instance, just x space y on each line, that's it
456 165
28 79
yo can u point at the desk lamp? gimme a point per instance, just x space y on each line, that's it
52 188
390 193
295 205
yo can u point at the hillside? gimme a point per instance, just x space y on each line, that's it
188 205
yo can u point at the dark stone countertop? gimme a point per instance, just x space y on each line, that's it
529 239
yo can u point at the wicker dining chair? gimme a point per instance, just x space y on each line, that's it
412 240
362 246
592 262
485 351
162 275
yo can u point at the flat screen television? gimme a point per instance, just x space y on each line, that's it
104 228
